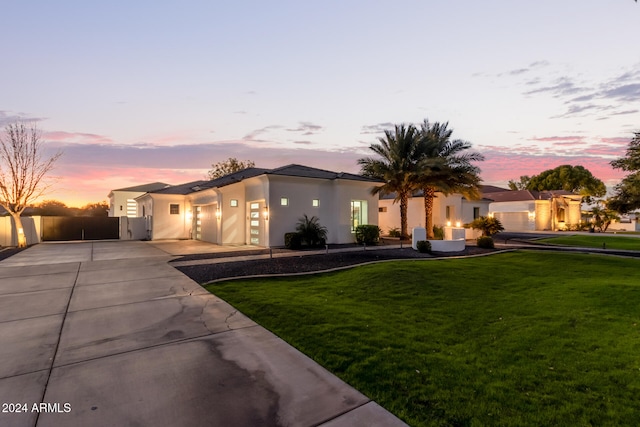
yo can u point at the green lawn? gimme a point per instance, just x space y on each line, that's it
596 241
516 339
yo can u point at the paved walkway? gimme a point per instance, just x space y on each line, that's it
108 334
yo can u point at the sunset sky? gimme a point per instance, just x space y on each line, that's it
141 91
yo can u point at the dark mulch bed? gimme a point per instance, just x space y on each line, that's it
7 252
308 263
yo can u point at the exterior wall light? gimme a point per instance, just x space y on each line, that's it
448 223
218 213
458 224
532 216
189 215
265 213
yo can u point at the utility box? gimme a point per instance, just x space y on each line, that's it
419 233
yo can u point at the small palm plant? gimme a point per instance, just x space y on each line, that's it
312 233
488 225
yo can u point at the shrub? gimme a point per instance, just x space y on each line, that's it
485 242
394 232
438 233
292 240
488 225
368 234
423 246
311 232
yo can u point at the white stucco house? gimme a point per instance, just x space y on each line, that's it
452 208
122 201
525 210
258 206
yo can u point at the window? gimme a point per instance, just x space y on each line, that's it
132 208
358 213
174 209
233 203
382 209
284 201
476 213
448 212
315 203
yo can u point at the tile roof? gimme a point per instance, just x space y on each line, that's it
153 186
524 195
289 170
309 172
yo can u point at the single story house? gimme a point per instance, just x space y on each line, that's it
258 206
122 201
453 208
526 210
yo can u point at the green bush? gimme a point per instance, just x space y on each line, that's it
438 233
368 234
485 242
292 240
311 232
488 225
423 246
394 232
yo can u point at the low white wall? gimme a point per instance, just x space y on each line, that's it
132 228
30 224
448 245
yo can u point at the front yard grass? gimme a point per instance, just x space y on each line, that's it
596 241
515 339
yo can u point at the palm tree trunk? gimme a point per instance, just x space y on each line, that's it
429 195
22 238
404 203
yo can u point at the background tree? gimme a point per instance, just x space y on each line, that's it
228 166
445 166
22 171
521 184
95 209
53 208
627 193
396 166
576 179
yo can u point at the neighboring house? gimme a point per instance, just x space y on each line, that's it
453 208
258 206
122 201
525 210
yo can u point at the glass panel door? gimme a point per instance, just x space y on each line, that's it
254 223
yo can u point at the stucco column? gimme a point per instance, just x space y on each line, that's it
543 215
574 214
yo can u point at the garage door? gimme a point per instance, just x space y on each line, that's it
209 224
515 221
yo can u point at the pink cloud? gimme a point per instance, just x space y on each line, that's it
558 139
75 137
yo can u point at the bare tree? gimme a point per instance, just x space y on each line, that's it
228 166
22 169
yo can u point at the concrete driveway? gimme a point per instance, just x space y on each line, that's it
108 334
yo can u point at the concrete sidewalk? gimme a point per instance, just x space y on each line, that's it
107 333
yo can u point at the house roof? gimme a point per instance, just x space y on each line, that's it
309 172
484 189
183 189
145 188
524 195
232 178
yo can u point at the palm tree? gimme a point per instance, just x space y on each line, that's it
445 166
398 151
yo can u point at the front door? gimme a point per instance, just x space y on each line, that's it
255 228
197 218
